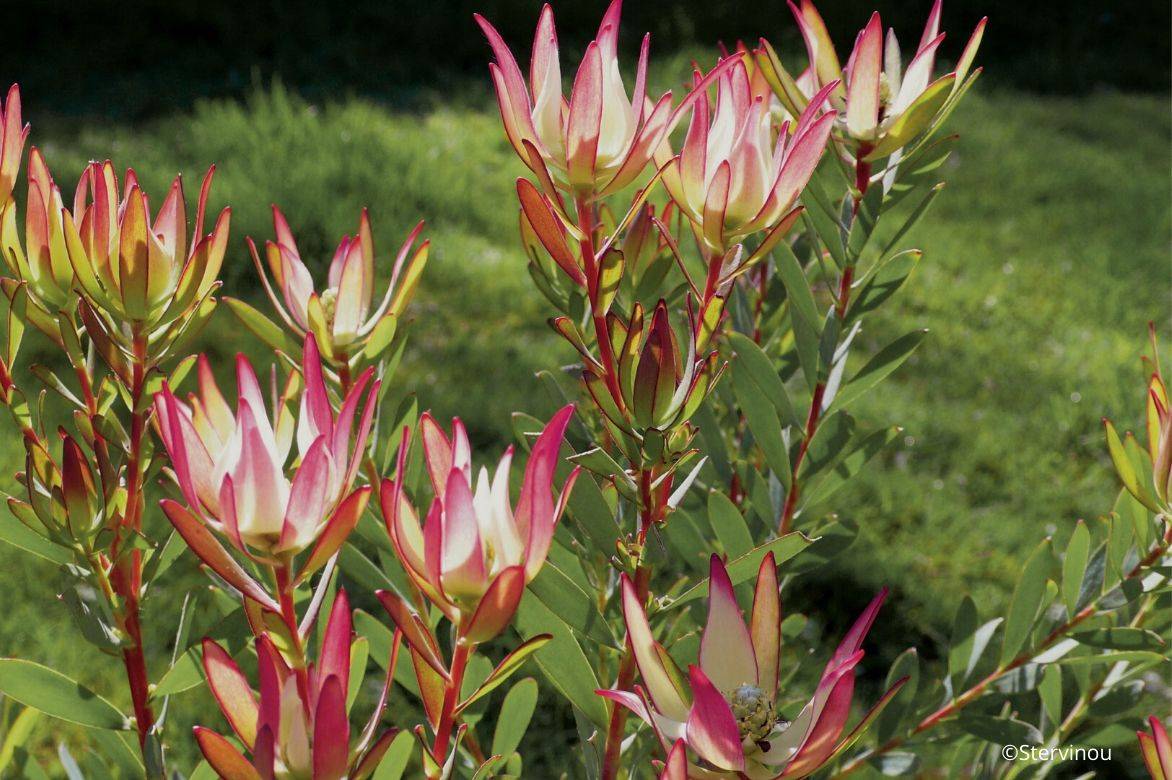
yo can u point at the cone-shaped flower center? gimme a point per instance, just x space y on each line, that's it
329 304
754 712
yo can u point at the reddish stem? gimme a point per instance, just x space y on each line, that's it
791 499
126 574
601 328
842 303
973 693
862 172
624 681
289 616
447 719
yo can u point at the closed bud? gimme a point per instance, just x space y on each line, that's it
12 137
43 263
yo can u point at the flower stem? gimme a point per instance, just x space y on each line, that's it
289 617
841 305
626 674
601 330
126 574
626 677
447 718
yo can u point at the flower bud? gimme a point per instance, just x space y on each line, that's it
1160 439
45 268
288 731
659 388
12 138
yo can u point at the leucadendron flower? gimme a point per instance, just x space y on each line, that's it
732 178
724 709
598 141
882 106
288 732
232 465
343 314
474 552
141 273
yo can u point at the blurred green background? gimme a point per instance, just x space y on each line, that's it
1044 259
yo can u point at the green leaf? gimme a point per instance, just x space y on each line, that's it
491 766
18 731
1074 566
746 566
1130 656
564 665
879 367
116 746
506 668
828 543
1125 468
1050 692
999 731
753 361
823 217
728 525
395 760
515 713
261 326
969 640
56 695
19 535
572 604
589 509
828 444
1123 638
203 771
797 287
1110 735
381 638
906 665
822 488
883 282
359 655
806 343
920 210
1026 601
601 463
362 569
762 421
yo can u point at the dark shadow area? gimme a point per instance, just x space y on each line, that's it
143 57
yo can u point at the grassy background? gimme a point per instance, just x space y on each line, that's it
1045 257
